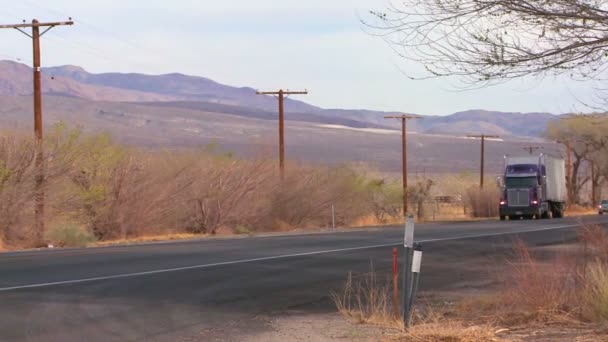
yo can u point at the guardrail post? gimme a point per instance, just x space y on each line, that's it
416 262
396 282
408 244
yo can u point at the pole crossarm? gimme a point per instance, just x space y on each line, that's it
404 116
27 25
532 148
285 92
483 136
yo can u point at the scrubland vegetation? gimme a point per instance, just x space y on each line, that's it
538 291
97 190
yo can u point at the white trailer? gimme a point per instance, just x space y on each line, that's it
533 186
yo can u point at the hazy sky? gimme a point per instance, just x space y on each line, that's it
315 44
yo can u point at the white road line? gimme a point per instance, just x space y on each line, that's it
462 237
242 261
224 263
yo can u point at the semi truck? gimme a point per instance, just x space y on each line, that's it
533 187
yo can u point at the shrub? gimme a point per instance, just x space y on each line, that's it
69 235
483 202
596 294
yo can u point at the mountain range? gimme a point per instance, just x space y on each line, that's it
176 110
179 91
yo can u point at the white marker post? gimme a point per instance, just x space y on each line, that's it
408 244
333 217
416 262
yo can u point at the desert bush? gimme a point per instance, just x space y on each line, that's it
225 192
595 297
418 194
532 287
383 198
16 187
573 283
69 235
307 194
483 202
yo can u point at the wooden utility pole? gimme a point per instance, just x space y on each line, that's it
281 94
532 148
404 119
594 198
35 36
481 166
569 171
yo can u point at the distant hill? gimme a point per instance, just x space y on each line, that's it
178 91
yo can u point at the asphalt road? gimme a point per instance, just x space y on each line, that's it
217 289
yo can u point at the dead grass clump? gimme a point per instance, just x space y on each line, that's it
367 300
372 220
538 292
150 238
595 296
578 210
483 202
450 331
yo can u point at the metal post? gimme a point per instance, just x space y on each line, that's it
408 243
333 217
416 262
396 282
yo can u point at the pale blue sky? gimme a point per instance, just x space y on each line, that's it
315 44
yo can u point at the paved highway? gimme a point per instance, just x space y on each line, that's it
217 288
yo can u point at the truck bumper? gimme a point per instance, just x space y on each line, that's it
516 211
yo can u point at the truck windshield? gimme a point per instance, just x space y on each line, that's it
521 182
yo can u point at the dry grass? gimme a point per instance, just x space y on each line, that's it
371 220
367 300
577 210
450 331
557 291
151 238
483 202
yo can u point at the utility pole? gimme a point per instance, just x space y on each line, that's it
281 94
35 35
532 148
404 119
569 171
481 167
593 185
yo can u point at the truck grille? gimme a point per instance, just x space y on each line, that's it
518 197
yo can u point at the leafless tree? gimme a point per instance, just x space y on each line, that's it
489 41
